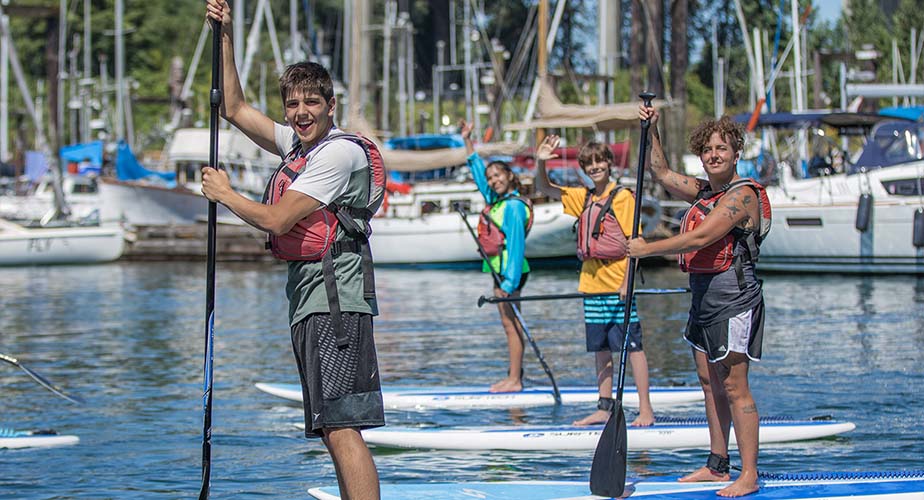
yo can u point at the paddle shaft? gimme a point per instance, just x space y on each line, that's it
608 469
516 310
645 291
40 379
215 102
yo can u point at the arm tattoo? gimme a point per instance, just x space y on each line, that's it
749 409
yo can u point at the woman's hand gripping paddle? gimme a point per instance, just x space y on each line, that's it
608 471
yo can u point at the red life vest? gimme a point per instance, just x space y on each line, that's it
720 255
490 236
315 237
312 237
599 234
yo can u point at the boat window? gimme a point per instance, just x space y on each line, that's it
89 187
464 205
905 187
429 207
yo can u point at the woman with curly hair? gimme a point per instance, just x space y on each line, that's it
718 244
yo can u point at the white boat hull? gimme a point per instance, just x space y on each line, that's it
443 238
143 204
814 225
75 245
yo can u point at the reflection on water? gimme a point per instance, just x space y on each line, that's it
128 337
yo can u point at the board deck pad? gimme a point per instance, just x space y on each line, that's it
903 485
457 397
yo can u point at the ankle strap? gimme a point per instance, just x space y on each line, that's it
717 464
606 404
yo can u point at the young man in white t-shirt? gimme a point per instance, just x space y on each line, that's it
340 385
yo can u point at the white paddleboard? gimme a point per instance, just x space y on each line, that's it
459 397
830 486
11 439
669 434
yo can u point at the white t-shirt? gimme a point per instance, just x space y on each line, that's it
327 173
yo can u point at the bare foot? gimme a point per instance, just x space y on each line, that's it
507 385
644 419
704 474
744 485
597 417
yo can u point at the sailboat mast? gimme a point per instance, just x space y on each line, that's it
87 68
120 73
4 95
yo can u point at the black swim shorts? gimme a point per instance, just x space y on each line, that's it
340 387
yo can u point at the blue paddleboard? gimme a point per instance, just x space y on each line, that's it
830 486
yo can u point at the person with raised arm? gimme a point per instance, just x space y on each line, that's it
318 203
718 245
502 230
605 214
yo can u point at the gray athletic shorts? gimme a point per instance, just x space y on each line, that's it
743 333
340 387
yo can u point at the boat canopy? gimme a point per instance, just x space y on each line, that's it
79 153
845 122
891 143
552 113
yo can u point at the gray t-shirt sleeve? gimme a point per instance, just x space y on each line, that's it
327 174
285 138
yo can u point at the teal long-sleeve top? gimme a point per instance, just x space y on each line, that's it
514 227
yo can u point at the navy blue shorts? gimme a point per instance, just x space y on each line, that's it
340 387
603 320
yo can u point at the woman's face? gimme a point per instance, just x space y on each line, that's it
499 180
718 156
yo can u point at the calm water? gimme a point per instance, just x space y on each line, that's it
128 338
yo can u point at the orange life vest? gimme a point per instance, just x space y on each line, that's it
720 255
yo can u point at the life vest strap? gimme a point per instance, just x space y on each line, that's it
333 300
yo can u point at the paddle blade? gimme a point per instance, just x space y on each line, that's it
608 471
51 387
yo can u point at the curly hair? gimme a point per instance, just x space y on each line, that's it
307 77
729 130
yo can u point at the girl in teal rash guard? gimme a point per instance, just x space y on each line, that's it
511 213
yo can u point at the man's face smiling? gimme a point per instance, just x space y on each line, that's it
310 116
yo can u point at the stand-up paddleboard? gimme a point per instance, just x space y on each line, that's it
458 397
830 486
34 439
664 434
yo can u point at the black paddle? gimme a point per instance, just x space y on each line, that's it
516 310
215 102
645 291
40 379
608 471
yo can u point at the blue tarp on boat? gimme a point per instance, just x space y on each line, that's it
87 156
422 142
128 168
914 113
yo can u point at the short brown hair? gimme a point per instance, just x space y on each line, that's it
595 151
729 130
308 77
